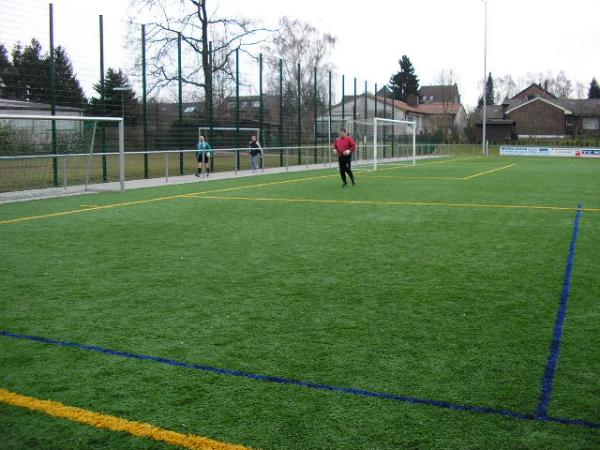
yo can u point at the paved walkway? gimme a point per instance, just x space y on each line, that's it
35 194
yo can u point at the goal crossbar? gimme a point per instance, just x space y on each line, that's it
77 118
255 130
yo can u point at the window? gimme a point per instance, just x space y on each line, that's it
591 123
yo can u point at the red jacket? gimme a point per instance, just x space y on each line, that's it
344 143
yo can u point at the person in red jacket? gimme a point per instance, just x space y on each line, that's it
345 146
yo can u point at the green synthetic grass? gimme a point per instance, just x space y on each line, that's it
305 280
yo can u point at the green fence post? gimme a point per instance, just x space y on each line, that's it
144 101
180 101
281 112
354 108
383 130
354 104
299 107
103 98
261 107
343 98
210 103
52 86
393 125
366 105
315 100
375 100
329 101
366 111
237 108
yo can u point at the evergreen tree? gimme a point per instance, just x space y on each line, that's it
115 101
5 69
479 103
67 87
5 64
594 91
489 94
26 75
489 90
405 82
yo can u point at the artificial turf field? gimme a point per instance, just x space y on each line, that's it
417 310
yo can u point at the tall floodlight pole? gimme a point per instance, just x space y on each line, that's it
484 149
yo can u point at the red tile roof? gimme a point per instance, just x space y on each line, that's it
439 108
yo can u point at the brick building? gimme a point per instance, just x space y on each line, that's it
535 112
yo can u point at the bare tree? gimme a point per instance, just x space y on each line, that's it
208 43
559 85
506 87
297 42
581 90
563 87
446 78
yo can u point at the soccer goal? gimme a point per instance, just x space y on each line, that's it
53 155
383 141
230 147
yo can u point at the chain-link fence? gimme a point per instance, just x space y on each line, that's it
169 92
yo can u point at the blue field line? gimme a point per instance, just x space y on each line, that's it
308 384
548 378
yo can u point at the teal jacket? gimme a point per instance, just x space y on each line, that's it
203 147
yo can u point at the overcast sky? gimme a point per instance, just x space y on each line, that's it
524 36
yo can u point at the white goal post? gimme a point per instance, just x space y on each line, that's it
381 140
29 137
377 121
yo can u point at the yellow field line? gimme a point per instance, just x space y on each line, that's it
489 171
447 178
112 423
420 164
396 203
419 178
151 200
444 161
94 208
272 183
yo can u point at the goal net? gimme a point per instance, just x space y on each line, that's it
383 141
51 155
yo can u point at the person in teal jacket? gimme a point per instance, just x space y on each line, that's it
203 154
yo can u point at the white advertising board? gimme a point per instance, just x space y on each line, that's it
573 152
